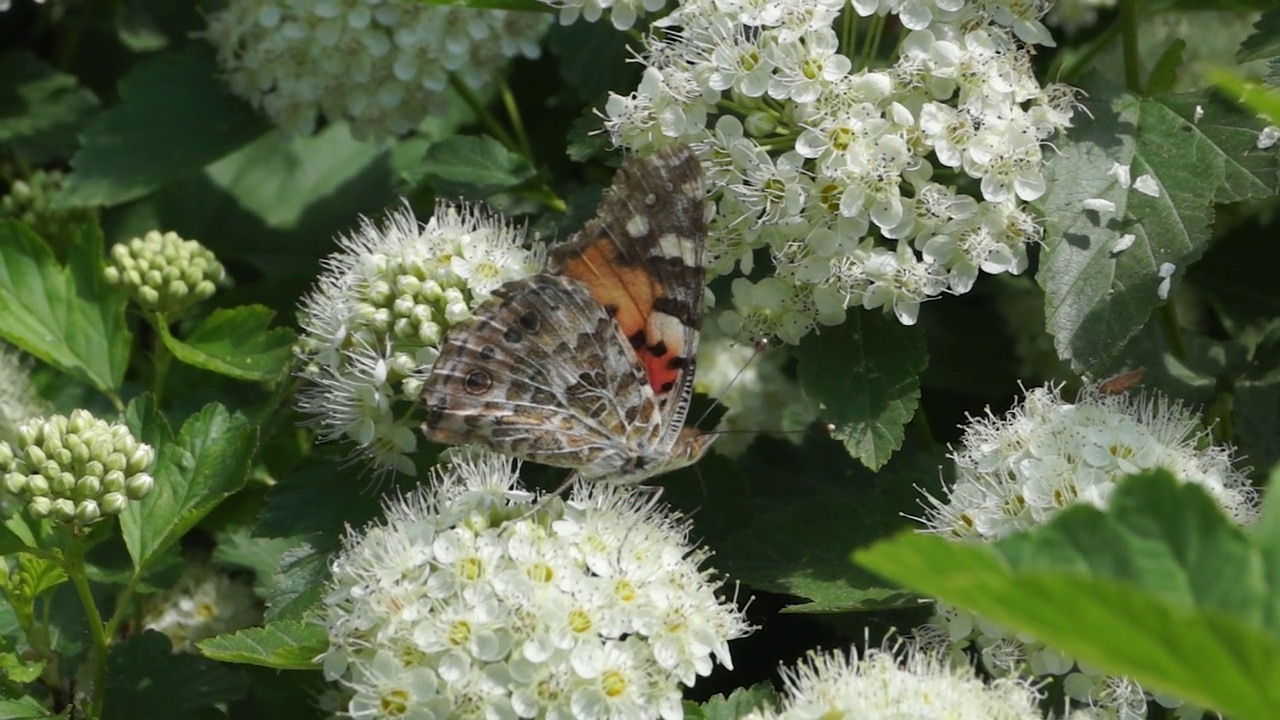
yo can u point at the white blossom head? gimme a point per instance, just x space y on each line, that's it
204 602
466 602
896 683
1046 454
373 324
381 67
877 184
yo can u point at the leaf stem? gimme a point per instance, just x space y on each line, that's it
482 114
1129 31
75 567
161 358
1172 332
513 114
921 422
1071 71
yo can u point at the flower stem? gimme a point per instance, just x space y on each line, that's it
1129 31
74 565
513 114
482 114
161 358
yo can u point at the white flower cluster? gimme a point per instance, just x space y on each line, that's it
382 67
1016 472
471 600
756 392
372 326
622 13
880 685
871 186
19 401
204 602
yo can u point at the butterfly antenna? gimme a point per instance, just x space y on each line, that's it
760 347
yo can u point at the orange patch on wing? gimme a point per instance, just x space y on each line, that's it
629 293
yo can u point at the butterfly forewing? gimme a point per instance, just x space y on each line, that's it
590 364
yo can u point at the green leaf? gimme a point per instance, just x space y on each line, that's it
236 342
24 708
811 509
1261 99
473 166
66 316
866 374
42 109
301 579
1264 43
261 555
205 463
1161 588
593 61
740 702
175 116
285 645
146 679
1165 73
1195 151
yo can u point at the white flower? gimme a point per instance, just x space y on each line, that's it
1016 472
204 602
475 599
372 327
880 684
19 401
383 68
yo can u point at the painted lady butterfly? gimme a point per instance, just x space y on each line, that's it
590 364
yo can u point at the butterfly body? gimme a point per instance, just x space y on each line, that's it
590 364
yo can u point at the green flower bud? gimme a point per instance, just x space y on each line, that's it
40 507
759 124
88 487
34 455
113 481
62 484
113 503
6 456
37 486
15 483
87 512
95 468
64 510
139 486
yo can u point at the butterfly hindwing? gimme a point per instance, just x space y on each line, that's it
642 259
541 372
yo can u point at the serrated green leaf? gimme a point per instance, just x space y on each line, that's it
1264 43
473 166
593 61
175 116
236 342
285 645
205 463
66 316
810 512
42 109
1161 588
866 374
323 496
301 579
260 555
24 708
146 679
1184 154
741 701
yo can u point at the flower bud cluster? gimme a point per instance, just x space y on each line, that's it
31 201
372 326
381 67
76 469
164 273
470 600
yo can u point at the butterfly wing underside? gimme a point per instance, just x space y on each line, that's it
541 372
642 260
